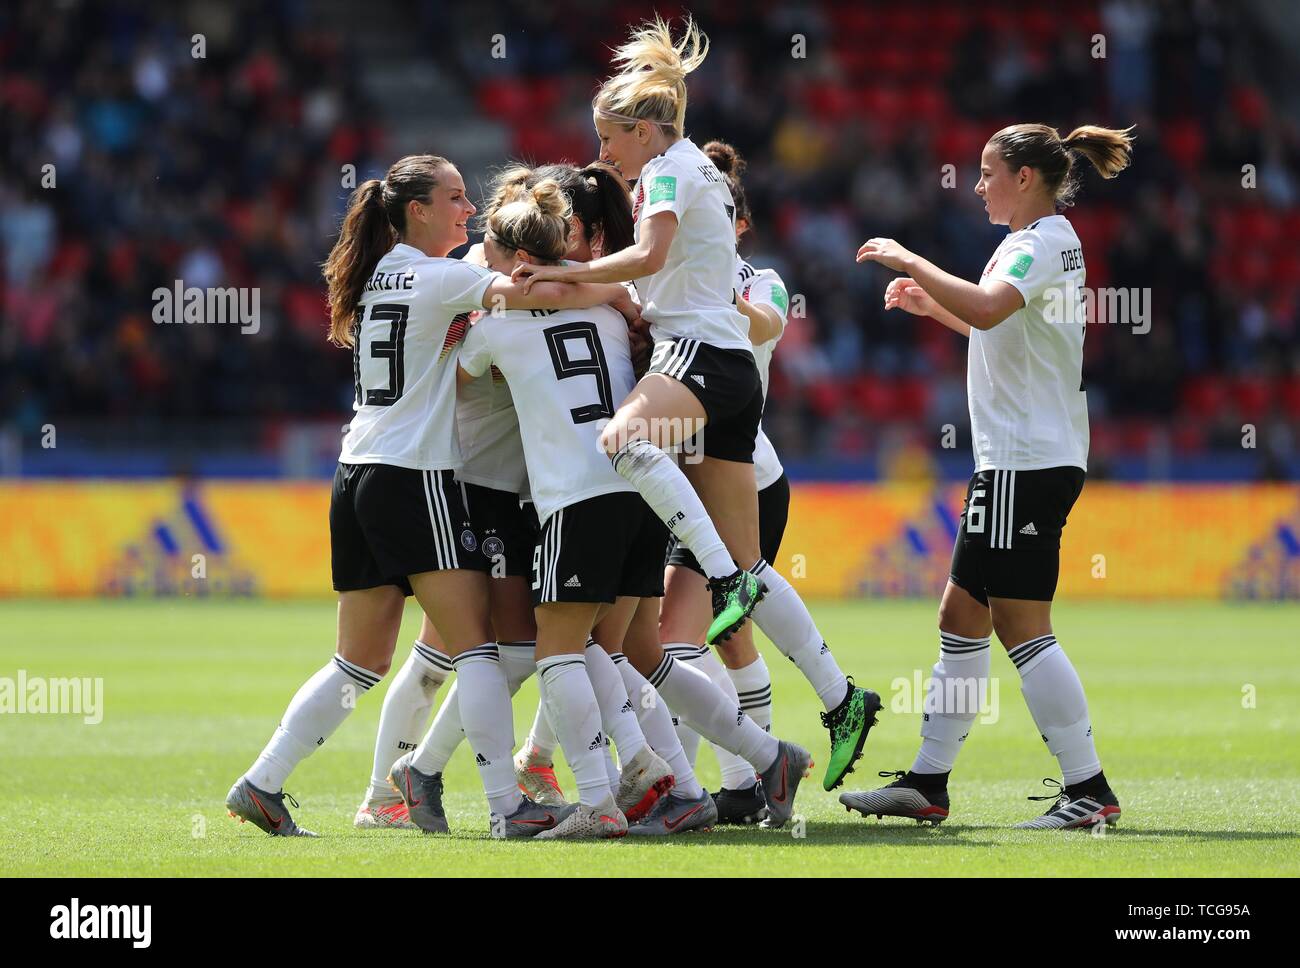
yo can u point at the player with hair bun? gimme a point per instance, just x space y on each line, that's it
1025 320
395 513
763 298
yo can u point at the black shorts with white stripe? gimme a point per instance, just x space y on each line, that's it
727 385
504 532
598 550
387 523
1009 541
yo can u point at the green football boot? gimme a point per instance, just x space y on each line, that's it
849 723
734 598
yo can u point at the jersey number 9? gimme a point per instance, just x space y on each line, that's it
557 338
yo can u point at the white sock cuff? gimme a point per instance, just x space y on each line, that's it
435 662
364 678
958 647
685 651
487 652
635 450
660 672
551 666
1028 655
517 659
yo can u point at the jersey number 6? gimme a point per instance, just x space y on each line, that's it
975 512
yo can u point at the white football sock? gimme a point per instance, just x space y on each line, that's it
689 739
611 767
753 689
958 688
406 709
446 733
434 751
315 711
657 726
541 737
706 708
736 772
571 706
1055 698
784 619
483 698
519 661
670 495
617 714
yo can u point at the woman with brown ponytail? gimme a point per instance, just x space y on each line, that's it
1025 319
397 519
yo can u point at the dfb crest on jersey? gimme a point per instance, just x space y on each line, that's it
468 540
492 547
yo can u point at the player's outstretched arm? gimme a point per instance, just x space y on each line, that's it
506 293
981 306
645 258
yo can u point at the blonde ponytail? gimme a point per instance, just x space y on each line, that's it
651 85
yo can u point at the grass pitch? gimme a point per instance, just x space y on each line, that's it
1196 708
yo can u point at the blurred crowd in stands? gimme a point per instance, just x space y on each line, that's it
127 163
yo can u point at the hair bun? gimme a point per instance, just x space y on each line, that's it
725 158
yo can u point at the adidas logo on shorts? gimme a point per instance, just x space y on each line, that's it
697 378
481 760
1029 529
598 742
573 583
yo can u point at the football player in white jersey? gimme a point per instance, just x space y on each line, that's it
534 212
599 544
703 378
567 369
1025 320
395 512
685 615
494 484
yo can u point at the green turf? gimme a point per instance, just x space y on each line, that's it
193 689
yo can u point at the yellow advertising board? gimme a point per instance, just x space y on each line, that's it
227 538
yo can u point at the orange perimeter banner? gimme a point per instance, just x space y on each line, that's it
253 539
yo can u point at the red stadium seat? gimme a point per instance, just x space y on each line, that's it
1253 397
1204 397
1185 142
1289 397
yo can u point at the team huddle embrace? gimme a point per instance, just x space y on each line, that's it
557 450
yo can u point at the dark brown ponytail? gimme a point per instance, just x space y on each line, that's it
727 160
375 220
600 199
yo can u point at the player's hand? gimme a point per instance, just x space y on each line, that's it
627 306
529 274
887 252
903 293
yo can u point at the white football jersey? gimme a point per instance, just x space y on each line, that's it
568 371
764 286
691 295
487 427
1024 376
414 313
